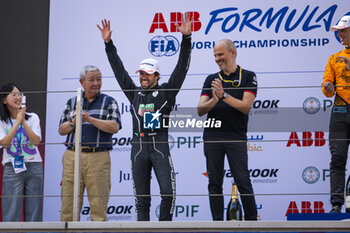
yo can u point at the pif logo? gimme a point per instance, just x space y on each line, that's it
311 105
190 142
305 207
175 18
311 175
188 211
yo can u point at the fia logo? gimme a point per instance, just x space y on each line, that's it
163 46
151 120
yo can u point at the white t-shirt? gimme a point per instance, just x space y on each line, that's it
29 150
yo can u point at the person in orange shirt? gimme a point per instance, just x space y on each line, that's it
336 81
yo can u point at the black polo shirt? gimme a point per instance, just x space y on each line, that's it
234 123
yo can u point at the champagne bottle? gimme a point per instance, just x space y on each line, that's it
347 201
234 208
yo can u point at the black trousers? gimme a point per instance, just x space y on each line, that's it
339 132
145 155
238 160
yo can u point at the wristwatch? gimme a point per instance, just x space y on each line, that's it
71 124
224 96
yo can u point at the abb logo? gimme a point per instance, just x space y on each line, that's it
307 139
305 207
175 18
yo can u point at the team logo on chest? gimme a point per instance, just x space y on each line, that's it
145 108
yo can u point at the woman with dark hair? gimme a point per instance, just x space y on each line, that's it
20 134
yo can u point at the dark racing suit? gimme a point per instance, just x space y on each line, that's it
149 146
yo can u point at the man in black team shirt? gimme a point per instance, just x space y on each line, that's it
148 145
231 106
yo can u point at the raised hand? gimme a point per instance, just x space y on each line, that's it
105 30
185 27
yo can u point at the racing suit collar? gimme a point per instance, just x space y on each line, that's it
347 50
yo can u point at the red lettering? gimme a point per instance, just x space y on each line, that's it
319 138
175 18
318 207
306 207
293 139
307 139
292 208
158 23
196 25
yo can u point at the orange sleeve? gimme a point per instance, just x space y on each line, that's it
329 75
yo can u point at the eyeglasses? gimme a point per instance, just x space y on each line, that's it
16 94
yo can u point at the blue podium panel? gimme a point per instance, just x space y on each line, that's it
318 217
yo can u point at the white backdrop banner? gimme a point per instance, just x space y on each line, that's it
286 42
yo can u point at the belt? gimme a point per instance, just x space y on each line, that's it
88 149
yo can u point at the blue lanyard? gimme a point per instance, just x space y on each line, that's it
19 138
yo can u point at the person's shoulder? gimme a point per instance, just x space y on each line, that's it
339 53
249 77
3 123
213 76
248 72
109 98
32 115
71 99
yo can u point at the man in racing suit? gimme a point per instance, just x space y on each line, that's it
336 81
150 147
